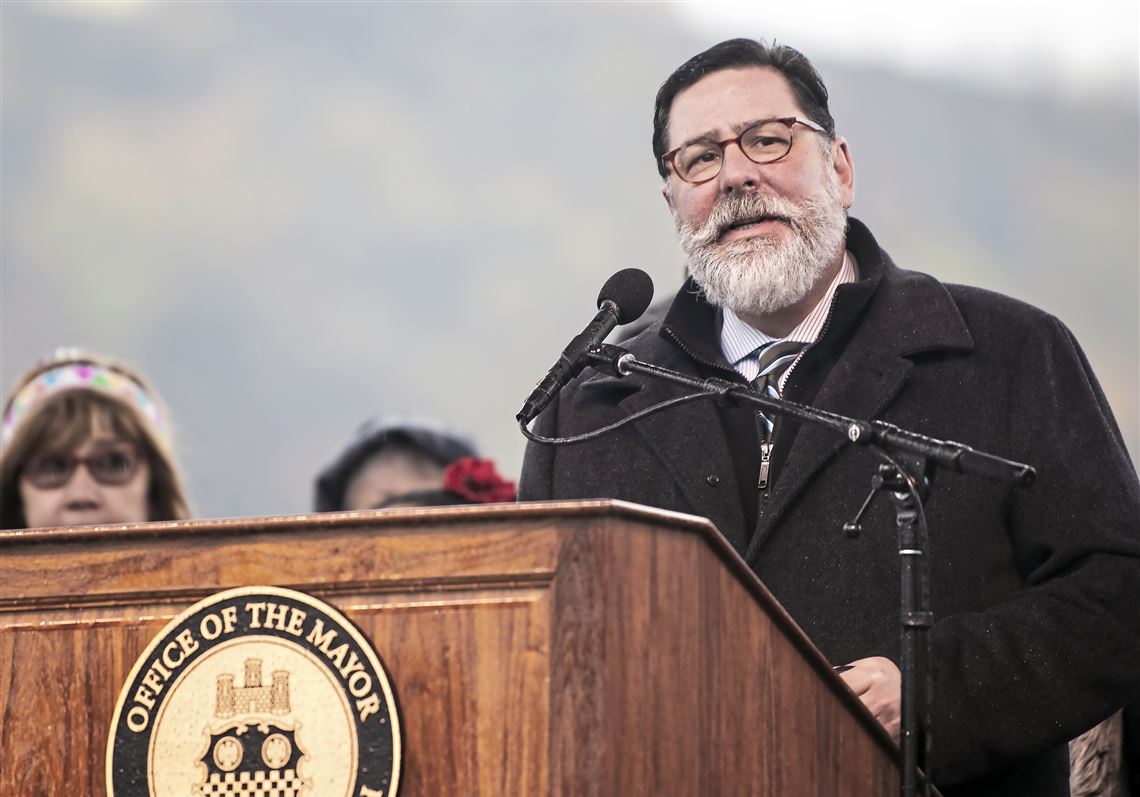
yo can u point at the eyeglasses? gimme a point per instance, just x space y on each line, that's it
766 141
110 466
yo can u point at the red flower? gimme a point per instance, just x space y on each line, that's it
477 481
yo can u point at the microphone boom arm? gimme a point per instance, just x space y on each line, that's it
944 453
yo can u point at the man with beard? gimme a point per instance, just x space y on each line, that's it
1033 641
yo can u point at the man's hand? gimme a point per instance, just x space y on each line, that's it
878 683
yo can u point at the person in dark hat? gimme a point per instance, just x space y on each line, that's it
401 463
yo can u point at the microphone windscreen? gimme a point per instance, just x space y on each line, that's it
631 290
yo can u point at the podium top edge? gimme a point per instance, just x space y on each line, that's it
379 518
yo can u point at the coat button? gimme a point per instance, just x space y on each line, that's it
712 480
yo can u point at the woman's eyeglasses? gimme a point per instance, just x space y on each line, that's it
110 465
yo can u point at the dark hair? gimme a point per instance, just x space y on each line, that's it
423 439
805 82
422 498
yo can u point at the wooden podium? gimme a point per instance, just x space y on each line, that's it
587 648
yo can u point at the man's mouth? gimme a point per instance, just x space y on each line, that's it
750 223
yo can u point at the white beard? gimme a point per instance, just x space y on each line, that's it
760 275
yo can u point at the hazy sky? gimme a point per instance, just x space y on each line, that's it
1072 47
1066 46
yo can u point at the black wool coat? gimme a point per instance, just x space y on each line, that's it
1035 592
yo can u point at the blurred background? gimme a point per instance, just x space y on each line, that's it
292 216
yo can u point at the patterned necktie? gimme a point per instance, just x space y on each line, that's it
775 358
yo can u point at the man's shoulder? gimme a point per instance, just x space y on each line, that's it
985 312
996 320
914 293
595 387
647 340
1002 307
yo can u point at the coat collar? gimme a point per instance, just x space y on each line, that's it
922 315
879 324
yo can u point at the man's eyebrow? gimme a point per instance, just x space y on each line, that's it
737 129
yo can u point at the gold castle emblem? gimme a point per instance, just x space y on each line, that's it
254 751
252 698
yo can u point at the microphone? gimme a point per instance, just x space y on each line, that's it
623 298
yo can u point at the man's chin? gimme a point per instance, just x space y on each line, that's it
751 287
761 306
752 303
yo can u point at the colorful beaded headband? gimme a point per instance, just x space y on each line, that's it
84 376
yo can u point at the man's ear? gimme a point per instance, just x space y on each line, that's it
665 193
844 167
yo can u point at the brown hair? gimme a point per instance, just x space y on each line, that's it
63 421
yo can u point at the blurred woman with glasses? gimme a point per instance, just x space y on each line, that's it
86 441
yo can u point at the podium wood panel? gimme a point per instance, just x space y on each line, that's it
588 648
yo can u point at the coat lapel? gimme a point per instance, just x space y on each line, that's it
862 392
909 314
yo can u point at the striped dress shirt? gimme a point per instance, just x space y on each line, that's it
740 342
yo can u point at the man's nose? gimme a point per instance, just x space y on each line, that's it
737 171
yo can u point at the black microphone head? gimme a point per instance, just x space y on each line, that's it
631 290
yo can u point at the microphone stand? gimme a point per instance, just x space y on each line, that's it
912 458
907 481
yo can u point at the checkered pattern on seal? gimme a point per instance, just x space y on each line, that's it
276 783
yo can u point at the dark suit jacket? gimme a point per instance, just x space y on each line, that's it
1035 591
